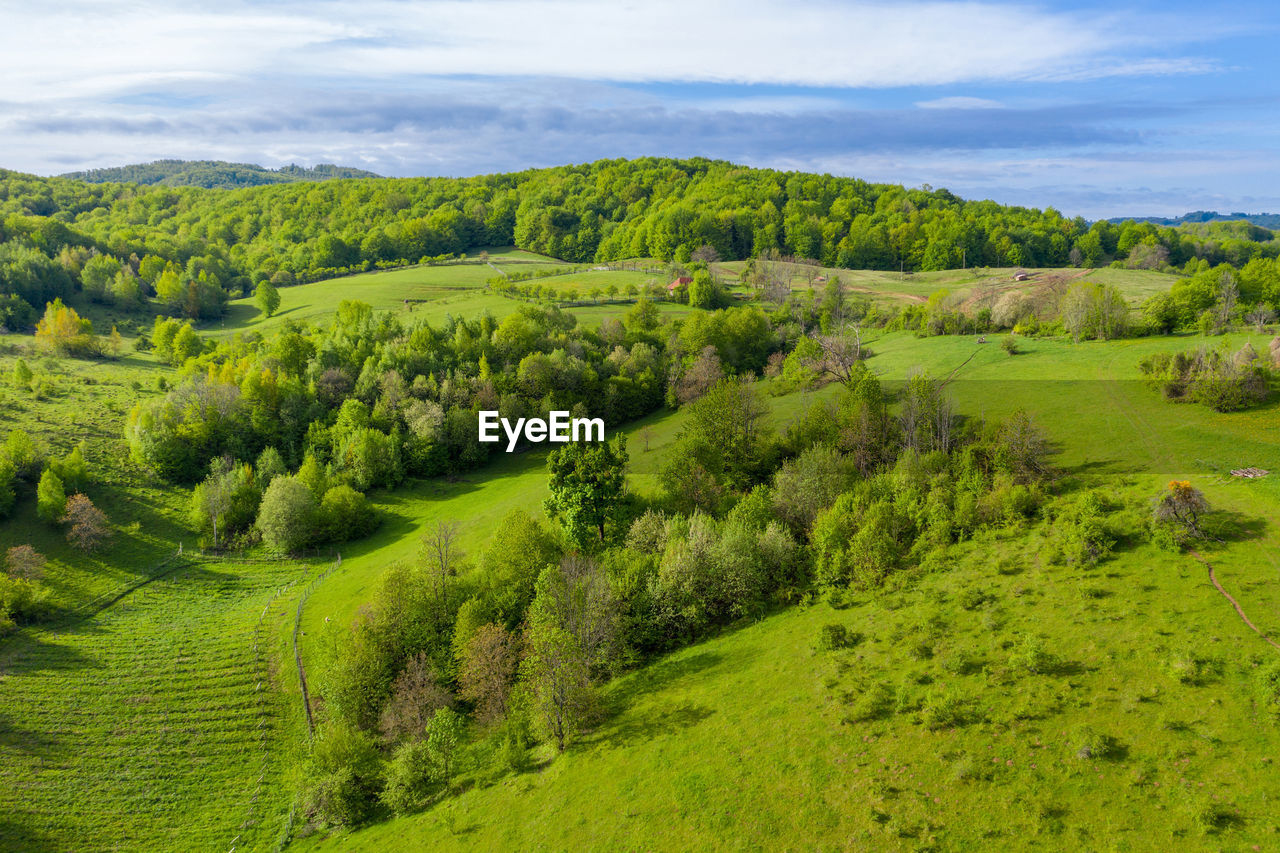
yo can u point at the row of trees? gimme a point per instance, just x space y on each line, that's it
1221 380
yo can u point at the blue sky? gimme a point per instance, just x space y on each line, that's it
1096 109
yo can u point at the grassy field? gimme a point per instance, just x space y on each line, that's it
158 724
86 401
430 292
971 285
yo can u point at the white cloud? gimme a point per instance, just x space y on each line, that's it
960 102
64 49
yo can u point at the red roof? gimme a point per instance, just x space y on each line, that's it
682 280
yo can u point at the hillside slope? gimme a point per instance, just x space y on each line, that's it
213 174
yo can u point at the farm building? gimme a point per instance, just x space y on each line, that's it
682 281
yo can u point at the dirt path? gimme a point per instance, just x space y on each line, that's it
1214 579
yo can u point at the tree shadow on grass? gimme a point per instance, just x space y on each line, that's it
18 835
1233 526
624 724
25 740
30 654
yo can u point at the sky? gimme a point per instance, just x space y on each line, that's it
1096 109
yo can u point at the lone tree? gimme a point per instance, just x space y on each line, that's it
51 497
1182 505
267 297
588 482
90 529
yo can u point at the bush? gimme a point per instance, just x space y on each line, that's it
1089 743
345 514
287 515
410 780
1034 657
51 498
1267 680
1191 668
1080 533
947 710
873 703
21 599
835 636
344 776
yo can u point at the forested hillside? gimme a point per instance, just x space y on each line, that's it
213 173
194 247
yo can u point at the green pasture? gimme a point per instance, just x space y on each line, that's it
86 401
138 728
894 288
153 725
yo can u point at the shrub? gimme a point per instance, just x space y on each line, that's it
946 710
1009 344
410 779
51 498
22 375
873 703
1034 657
1213 817
1089 743
833 636
1191 668
345 514
1080 533
344 776
23 599
515 743
286 517
973 598
1267 680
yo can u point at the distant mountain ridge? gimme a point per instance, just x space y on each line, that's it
1264 220
214 174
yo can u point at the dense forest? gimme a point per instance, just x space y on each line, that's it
193 248
213 174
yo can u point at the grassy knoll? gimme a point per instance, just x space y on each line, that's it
153 725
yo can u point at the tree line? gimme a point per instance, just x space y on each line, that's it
191 248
